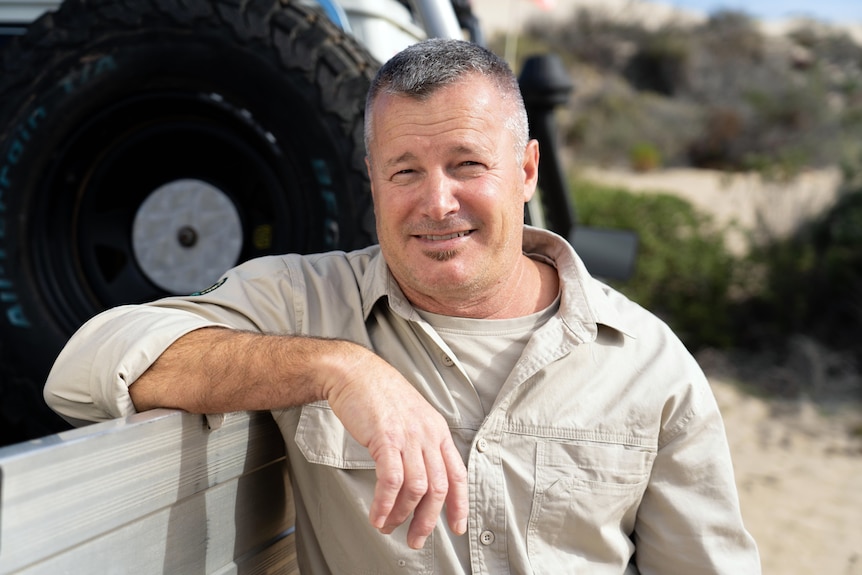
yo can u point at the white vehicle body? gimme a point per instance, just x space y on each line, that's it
383 26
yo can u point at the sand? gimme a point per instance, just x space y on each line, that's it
798 469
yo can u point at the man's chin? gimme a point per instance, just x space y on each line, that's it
441 255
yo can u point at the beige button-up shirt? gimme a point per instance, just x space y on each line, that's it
603 453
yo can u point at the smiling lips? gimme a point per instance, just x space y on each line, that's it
446 237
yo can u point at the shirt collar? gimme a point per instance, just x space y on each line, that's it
378 282
584 301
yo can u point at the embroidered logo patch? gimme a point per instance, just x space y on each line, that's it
213 287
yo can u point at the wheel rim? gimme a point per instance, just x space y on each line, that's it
158 195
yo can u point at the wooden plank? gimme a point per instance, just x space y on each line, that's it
156 489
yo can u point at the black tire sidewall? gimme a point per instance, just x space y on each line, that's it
313 148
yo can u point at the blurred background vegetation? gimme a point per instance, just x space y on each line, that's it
721 95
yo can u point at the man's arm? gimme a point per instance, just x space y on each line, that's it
689 520
213 370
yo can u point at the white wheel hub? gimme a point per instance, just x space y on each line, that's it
185 235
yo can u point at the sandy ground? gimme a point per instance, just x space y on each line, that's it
798 468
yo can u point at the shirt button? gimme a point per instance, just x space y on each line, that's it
482 445
486 537
447 361
402 563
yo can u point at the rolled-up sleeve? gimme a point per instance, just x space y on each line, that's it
689 520
91 377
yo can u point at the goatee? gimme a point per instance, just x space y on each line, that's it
442 256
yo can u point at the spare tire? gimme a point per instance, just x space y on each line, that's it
148 145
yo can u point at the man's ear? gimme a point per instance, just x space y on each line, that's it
371 185
370 179
531 169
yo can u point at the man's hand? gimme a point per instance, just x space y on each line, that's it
418 466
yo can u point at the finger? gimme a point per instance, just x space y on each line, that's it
428 509
413 489
390 478
457 497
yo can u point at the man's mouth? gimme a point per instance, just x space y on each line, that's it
441 238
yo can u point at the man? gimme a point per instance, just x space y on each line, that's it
467 362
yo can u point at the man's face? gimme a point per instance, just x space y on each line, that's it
449 193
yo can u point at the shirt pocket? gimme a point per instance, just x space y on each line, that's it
322 439
343 476
585 501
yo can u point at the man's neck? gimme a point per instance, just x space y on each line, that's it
532 287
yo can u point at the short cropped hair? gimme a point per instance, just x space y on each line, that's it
421 69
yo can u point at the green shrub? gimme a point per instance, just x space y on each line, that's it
809 284
813 281
645 157
683 271
660 63
719 94
607 127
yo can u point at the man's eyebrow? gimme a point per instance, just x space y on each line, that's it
398 160
410 156
465 149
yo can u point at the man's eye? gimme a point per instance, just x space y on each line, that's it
402 175
470 167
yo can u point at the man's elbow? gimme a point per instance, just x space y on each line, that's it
72 393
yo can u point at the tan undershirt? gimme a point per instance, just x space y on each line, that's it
488 349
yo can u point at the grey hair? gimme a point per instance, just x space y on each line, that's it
421 69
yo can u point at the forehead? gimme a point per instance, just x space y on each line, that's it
468 110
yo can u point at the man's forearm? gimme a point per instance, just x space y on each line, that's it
213 370
217 370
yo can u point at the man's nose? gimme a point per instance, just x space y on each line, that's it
440 198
